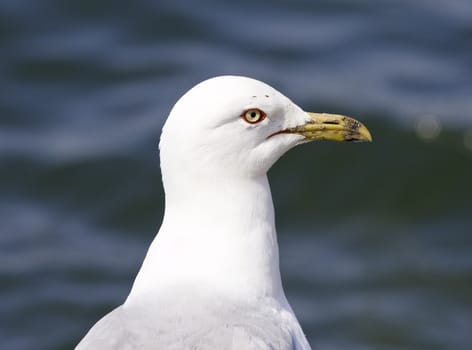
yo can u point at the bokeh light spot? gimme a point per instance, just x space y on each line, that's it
468 139
428 127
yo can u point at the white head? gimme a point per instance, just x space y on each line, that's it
238 126
218 143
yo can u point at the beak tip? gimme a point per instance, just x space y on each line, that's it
365 134
361 133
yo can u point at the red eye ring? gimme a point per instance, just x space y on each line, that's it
253 115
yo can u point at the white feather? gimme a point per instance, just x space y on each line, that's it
211 277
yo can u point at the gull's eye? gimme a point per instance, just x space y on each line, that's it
253 115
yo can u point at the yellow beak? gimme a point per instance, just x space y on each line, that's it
334 127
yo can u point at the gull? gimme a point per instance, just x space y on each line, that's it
211 278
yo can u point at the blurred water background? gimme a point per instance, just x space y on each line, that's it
376 239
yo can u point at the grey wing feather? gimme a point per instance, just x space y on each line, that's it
233 327
111 332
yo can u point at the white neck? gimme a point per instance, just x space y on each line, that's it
220 236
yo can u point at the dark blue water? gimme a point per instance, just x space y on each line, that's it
376 240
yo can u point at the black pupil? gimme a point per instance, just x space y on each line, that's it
253 114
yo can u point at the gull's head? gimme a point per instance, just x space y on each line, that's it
237 126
